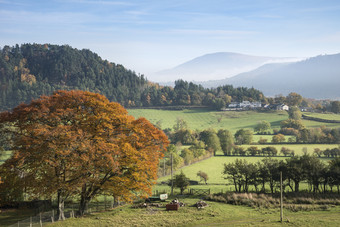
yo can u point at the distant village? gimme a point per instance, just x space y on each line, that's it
247 105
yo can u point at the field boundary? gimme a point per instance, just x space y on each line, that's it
319 119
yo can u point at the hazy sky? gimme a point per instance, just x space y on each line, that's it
151 35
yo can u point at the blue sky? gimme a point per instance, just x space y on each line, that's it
150 35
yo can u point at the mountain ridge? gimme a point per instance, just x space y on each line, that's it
218 65
315 77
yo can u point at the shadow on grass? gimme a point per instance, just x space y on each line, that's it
12 216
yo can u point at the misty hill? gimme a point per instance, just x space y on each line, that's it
215 66
317 77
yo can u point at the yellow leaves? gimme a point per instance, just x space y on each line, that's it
77 137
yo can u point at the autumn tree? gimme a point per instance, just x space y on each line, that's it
226 141
294 113
291 123
262 127
203 176
243 136
278 138
293 99
79 143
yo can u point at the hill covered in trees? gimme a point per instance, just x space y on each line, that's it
31 70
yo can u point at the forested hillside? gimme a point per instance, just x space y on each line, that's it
31 70
28 71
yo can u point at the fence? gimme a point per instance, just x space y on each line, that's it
199 191
48 217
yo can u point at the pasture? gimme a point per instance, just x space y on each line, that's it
232 120
327 116
203 119
216 214
214 167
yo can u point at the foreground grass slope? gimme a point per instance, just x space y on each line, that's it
216 214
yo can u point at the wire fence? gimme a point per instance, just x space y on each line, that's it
44 218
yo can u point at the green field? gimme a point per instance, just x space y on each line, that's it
204 119
214 167
328 116
232 120
5 156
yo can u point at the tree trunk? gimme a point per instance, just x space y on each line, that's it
235 184
271 185
60 211
263 186
296 186
84 201
290 185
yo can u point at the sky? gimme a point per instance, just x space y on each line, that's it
152 35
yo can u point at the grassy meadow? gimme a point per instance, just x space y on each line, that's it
232 120
216 214
213 167
327 116
203 119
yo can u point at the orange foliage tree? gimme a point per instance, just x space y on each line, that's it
79 143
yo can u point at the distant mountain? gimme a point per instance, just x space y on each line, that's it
317 77
215 66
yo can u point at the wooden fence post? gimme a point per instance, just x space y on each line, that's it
281 199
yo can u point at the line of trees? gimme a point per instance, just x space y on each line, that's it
189 94
329 153
265 151
294 126
319 176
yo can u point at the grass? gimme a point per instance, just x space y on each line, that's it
203 119
325 116
232 120
12 216
216 214
5 155
213 167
